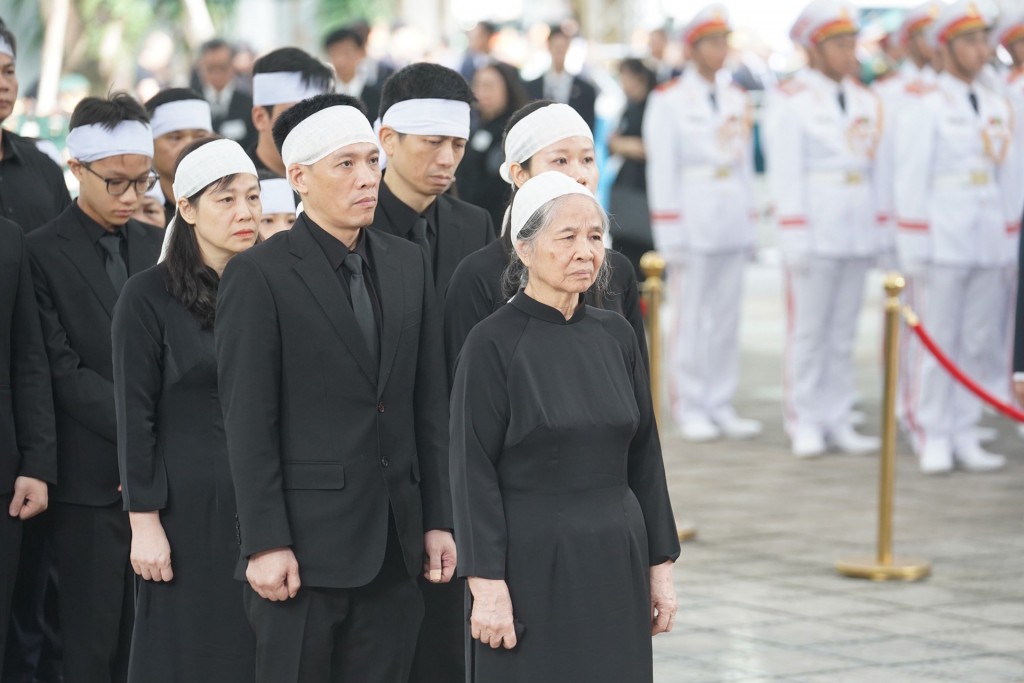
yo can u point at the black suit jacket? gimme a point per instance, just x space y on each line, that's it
320 440
28 445
239 111
463 229
582 97
370 96
76 305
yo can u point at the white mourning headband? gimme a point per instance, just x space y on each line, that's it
537 130
538 191
202 167
447 118
281 87
325 132
277 196
181 115
157 193
6 48
95 141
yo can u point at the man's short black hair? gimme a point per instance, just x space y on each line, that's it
306 108
5 34
555 31
108 112
424 81
314 73
345 33
216 44
488 27
170 95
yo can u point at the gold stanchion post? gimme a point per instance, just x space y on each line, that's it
653 266
883 567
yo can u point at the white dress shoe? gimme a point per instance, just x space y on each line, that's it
736 427
936 457
973 458
699 429
808 443
847 440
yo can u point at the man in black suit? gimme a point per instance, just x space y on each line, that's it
424 148
80 261
424 128
280 79
231 108
335 409
346 51
28 451
478 52
558 85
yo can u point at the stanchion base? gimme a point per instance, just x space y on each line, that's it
686 530
900 569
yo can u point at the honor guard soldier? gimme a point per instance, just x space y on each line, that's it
958 209
822 130
700 168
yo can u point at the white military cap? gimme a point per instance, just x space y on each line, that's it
1009 30
918 19
963 16
824 19
710 21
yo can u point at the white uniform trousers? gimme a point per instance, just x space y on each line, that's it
823 306
705 296
961 307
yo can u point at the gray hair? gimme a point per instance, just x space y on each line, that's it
516 275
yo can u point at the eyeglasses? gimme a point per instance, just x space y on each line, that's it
118 186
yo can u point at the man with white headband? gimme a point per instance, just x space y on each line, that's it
279 80
178 116
80 262
822 131
958 207
700 171
424 127
32 189
279 206
335 408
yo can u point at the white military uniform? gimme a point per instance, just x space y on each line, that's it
958 207
700 171
821 161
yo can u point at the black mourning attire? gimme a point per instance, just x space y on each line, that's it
631 223
342 459
32 188
559 490
173 459
76 299
478 180
449 230
476 291
27 443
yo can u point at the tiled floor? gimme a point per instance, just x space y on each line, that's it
759 599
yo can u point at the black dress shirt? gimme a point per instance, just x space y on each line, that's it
32 189
403 216
95 231
336 252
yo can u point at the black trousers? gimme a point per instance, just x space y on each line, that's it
441 647
340 635
10 551
97 591
33 637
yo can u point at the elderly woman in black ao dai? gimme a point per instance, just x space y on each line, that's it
562 516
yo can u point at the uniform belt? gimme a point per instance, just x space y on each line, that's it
706 172
839 177
964 179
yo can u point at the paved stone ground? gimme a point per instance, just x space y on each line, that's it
759 599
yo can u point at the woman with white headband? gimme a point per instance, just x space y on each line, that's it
190 624
562 515
542 136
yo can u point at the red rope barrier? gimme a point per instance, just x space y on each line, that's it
915 324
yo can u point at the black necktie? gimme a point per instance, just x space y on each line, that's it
361 304
113 262
419 233
842 101
714 100
974 101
